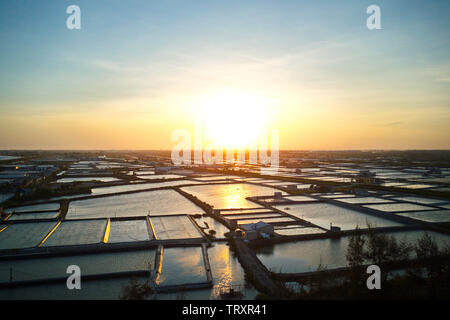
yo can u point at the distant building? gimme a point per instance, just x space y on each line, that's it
365 177
334 228
249 232
253 231
45 168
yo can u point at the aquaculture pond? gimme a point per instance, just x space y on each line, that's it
254 216
158 202
139 186
398 207
222 196
273 220
290 231
159 176
324 214
5 196
34 208
76 233
182 266
175 227
336 195
421 200
428 216
300 198
227 273
34 216
55 267
100 179
23 235
129 231
365 200
305 256
208 224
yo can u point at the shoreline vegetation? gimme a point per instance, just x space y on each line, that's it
414 271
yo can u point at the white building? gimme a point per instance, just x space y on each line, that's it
253 231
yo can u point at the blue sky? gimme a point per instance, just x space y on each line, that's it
135 60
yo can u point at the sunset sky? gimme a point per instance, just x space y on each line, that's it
137 70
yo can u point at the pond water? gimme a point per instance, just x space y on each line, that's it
24 235
420 200
159 176
110 166
144 172
245 211
139 186
397 207
250 179
365 200
254 216
428 216
5 196
4 158
215 178
393 184
268 182
157 202
175 227
34 208
31 216
265 220
77 232
179 266
227 272
54 267
101 179
297 231
182 266
223 196
303 186
129 231
305 256
207 223
337 195
418 186
300 198
281 183
322 214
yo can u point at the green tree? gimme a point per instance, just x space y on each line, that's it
382 248
355 249
427 250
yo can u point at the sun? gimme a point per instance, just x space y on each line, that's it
233 119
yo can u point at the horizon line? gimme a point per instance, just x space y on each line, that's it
316 150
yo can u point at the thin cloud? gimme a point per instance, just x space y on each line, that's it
390 124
